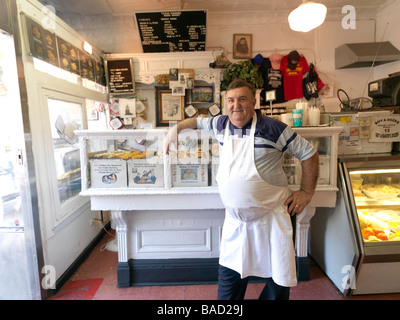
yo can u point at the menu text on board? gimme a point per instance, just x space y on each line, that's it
172 31
120 76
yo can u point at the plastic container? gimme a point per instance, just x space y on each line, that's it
297 117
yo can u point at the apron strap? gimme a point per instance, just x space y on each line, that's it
252 129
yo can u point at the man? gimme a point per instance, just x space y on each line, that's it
257 232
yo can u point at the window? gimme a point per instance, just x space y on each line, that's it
65 118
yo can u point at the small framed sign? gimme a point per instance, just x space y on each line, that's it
190 111
120 77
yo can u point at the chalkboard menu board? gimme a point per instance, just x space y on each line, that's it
172 31
120 76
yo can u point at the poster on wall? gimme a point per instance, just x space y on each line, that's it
42 42
69 56
47 46
87 66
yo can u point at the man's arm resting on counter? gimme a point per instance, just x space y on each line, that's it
172 136
309 174
301 198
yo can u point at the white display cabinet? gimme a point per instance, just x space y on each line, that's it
167 211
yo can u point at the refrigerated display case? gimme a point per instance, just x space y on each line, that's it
357 243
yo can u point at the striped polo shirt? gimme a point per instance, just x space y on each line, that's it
271 139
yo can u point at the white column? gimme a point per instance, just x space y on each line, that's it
118 217
302 227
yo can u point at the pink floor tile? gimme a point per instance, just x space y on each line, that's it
102 264
201 292
167 293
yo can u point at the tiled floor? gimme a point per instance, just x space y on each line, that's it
102 264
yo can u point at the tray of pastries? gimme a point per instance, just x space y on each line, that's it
381 191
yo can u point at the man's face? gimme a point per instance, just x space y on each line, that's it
240 106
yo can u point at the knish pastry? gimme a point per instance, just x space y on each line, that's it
380 192
36 32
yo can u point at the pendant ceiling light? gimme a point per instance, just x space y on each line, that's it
307 16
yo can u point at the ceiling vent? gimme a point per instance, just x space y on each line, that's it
359 55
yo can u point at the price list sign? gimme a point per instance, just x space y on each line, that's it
121 80
172 31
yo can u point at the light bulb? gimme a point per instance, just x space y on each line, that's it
307 16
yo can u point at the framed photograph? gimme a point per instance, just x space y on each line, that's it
169 107
127 107
92 115
202 94
178 90
91 112
173 74
242 46
189 83
190 111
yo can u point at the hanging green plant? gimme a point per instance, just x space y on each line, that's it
244 70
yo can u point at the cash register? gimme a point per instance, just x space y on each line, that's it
385 92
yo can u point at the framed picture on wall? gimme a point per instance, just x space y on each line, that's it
242 46
202 94
169 107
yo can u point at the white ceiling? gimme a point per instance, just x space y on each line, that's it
365 8
107 24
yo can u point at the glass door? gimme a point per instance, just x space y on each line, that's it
10 131
19 275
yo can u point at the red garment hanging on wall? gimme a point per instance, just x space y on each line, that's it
293 79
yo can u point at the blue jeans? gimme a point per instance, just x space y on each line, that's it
232 287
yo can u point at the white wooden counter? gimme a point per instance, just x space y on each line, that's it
174 224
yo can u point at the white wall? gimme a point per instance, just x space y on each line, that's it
119 34
317 46
388 26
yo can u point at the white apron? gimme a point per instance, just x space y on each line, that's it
257 232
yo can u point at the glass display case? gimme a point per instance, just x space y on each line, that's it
377 198
292 166
357 243
133 159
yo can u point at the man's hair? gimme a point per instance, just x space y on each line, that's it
239 83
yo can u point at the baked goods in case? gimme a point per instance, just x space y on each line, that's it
381 191
379 225
125 155
358 195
